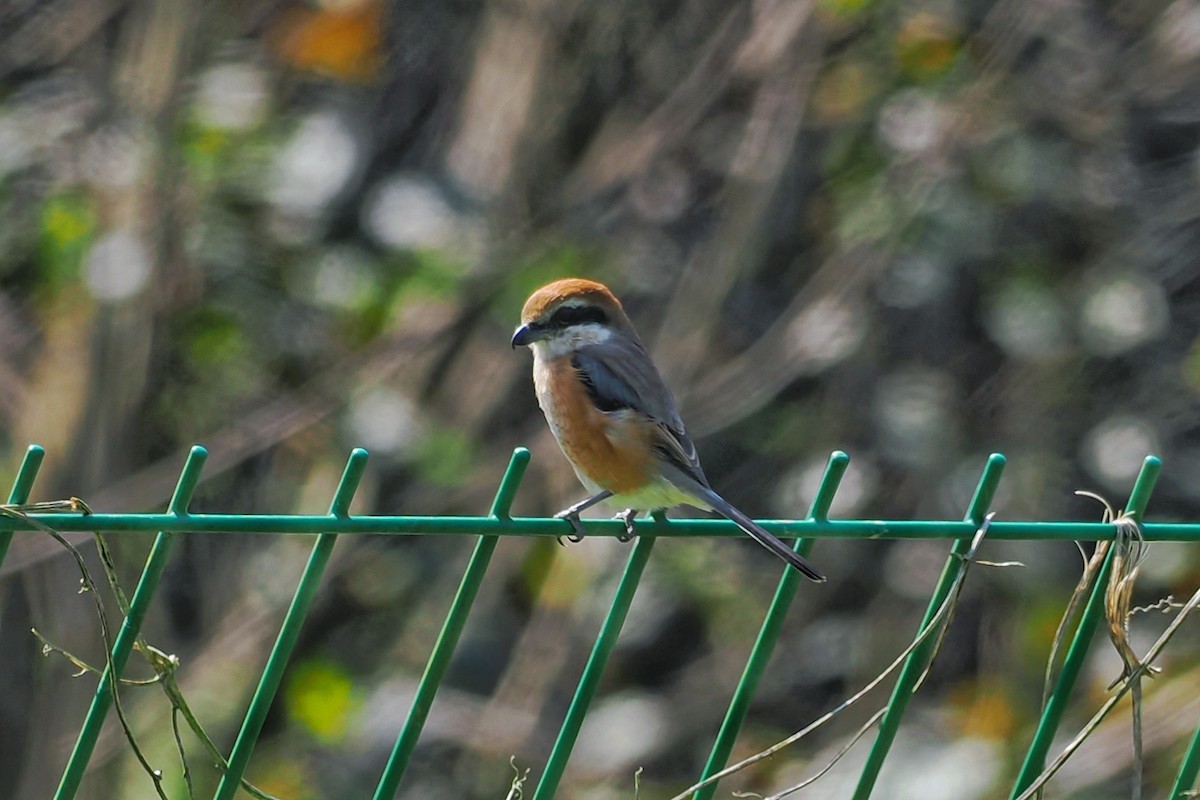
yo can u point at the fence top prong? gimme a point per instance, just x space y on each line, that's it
1139 495
985 490
189 476
356 464
27 474
835 470
509 483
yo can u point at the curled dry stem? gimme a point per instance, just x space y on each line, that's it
516 791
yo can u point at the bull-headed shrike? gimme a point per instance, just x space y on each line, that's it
612 413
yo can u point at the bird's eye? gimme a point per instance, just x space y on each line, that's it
577 315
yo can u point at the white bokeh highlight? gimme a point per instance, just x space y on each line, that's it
623 731
1028 322
798 487
827 332
343 279
1121 313
1113 450
409 212
911 122
231 96
314 166
117 267
914 415
385 421
912 281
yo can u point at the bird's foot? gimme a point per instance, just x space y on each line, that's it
627 516
572 517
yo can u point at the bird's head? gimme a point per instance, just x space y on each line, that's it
565 315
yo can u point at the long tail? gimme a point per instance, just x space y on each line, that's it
760 535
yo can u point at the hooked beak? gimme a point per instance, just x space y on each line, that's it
523 336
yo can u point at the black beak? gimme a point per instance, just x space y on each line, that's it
523 336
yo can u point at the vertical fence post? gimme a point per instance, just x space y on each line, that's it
156 562
452 628
590 679
768 634
289 632
22 486
918 659
1185 781
1089 619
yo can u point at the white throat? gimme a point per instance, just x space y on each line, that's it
571 339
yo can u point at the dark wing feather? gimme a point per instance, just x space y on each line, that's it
605 394
610 371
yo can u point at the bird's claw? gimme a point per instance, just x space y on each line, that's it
576 526
627 516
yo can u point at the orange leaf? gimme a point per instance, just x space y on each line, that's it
342 41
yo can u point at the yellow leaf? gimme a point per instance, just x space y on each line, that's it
321 698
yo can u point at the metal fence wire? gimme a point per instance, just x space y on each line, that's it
498 522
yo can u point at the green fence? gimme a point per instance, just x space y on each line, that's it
499 523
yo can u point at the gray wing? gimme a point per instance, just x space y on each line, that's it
619 375
610 371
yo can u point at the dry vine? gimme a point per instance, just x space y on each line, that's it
163 664
937 622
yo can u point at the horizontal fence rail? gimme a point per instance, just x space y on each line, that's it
549 526
21 518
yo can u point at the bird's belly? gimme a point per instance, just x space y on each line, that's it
608 451
658 493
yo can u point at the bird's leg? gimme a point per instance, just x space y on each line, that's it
571 514
627 516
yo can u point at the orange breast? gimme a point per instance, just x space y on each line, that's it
613 451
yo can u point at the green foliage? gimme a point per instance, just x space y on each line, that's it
549 262
446 457
433 274
68 225
215 339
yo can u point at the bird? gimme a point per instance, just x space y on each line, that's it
614 416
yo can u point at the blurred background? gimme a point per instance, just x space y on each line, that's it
919 232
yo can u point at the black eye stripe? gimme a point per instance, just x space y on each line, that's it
577 315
